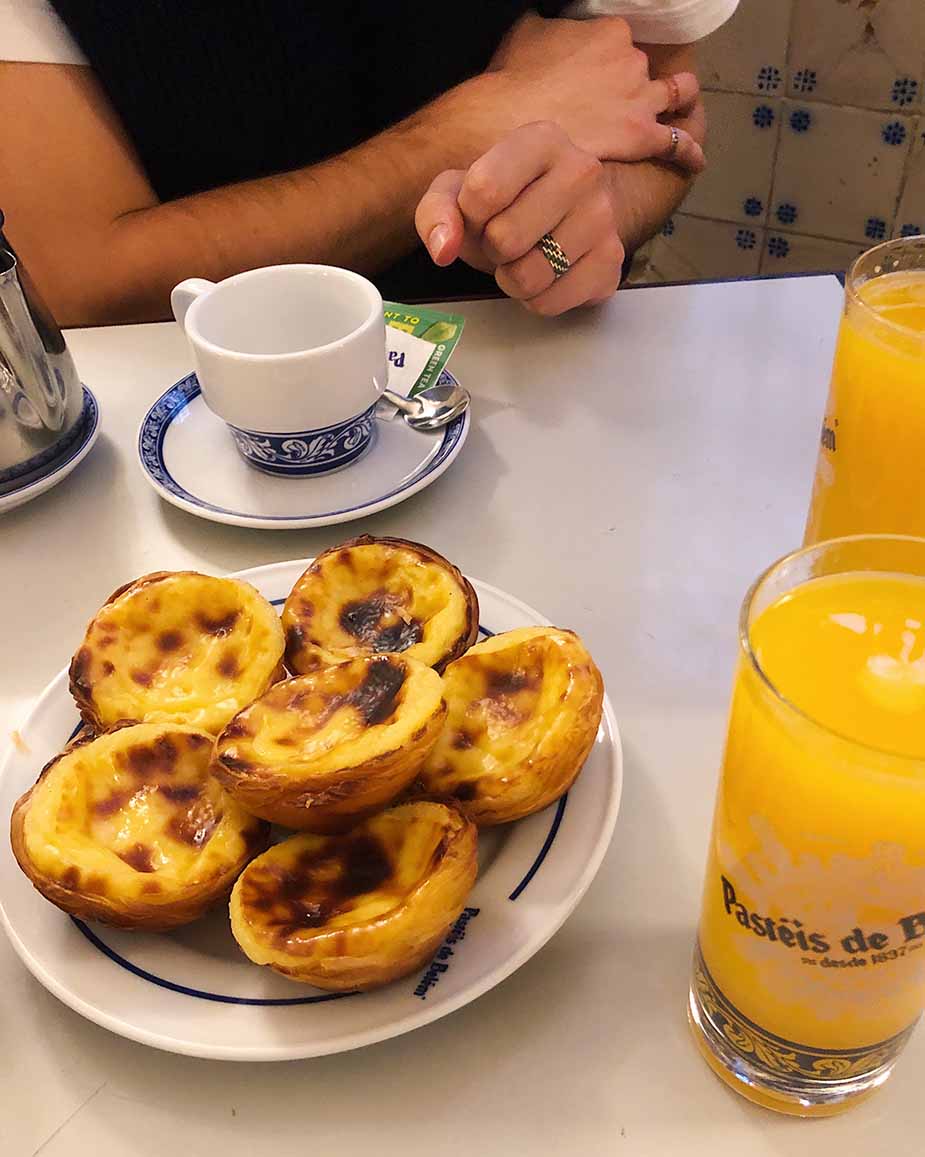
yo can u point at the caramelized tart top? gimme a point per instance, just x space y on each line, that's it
180 647
376 596
334 718
512 701
311 884
135 813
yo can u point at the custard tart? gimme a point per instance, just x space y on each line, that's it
131 829
356 911
178 647
375 596
321 751
523 710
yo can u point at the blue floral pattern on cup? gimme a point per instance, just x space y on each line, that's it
309 452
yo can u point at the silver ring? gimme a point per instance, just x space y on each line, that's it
673 147
554 254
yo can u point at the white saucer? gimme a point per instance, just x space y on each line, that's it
90 419
193 991
188 456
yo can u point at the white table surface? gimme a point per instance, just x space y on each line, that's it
628 473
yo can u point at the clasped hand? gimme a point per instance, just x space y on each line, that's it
598 104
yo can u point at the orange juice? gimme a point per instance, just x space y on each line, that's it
869 472
811 955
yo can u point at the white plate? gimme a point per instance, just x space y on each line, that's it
60 471
188 456
192 991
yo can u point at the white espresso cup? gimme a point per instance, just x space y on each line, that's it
293 358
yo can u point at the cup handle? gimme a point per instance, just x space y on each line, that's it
183 295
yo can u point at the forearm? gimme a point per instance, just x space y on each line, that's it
354 210
645 195
114 264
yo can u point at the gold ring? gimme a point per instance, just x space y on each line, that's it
554 254
674 93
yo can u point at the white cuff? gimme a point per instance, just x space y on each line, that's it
660 21
31 30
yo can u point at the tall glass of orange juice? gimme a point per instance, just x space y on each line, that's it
809 970
868 475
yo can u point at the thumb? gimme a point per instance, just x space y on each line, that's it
438 219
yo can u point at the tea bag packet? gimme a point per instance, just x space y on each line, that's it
420 342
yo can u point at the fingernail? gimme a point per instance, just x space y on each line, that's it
439 236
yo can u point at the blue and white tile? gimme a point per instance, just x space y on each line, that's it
749 52
740 154
866 53
910 216
793 253
639 266
839 171
694 249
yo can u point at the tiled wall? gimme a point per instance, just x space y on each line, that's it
817 140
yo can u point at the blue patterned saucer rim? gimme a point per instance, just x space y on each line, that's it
173 402
49 461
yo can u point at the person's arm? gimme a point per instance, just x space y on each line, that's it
82 213
645 194
88 224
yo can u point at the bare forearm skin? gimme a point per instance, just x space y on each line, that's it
109 251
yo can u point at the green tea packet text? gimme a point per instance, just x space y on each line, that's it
420 342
